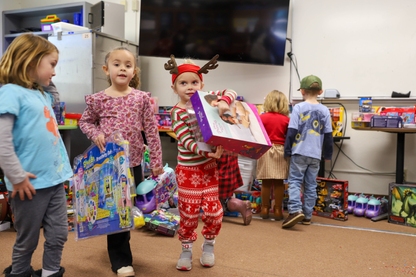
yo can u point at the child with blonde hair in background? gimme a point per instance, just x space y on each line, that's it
272 167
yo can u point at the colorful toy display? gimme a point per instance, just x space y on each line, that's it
332 199
402 204
102 190
158 192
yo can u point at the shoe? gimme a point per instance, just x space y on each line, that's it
306 221
208 258
278 214
185 261
243 207
60 273
7 272
125 271
293 219
264 213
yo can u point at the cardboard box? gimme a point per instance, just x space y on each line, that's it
402 204
406 113
240 131
332 201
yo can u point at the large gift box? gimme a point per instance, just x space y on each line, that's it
240 131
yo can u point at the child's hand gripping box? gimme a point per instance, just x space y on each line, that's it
240 131
166 190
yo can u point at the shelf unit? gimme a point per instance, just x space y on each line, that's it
15 21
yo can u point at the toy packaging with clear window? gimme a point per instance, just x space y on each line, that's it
102 190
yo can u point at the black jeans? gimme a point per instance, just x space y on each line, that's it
118 244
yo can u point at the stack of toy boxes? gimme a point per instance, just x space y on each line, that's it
332 201
337 119
402 204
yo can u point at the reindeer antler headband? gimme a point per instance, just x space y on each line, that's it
176 70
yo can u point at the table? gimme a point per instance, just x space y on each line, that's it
169 132
401 132
65 131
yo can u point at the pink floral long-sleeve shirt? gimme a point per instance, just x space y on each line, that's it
128 114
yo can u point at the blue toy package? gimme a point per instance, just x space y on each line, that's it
102 190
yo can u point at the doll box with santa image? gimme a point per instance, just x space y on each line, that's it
240 131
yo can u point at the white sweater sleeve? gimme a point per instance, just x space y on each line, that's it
9 162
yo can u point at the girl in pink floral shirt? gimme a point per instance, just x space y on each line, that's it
121 107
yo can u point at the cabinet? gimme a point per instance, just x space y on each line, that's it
17 21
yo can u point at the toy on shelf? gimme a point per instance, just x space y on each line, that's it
360 205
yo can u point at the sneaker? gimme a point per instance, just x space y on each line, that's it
306 221
185 261
293 219
207 258
125 271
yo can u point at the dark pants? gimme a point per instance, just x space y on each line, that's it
118 244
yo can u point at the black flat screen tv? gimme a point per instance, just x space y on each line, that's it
248 31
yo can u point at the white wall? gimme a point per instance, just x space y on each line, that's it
358 47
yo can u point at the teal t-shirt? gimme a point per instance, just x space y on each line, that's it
36 138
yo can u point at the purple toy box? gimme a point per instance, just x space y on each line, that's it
240 131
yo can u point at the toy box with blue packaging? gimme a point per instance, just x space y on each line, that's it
160 192
332 200
402 204
240 131
103 187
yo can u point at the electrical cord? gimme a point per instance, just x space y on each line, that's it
294 62
344 125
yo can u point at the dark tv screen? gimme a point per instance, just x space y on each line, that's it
248 31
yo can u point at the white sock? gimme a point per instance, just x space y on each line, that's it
46 273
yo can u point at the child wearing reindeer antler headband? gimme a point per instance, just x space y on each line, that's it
197 172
